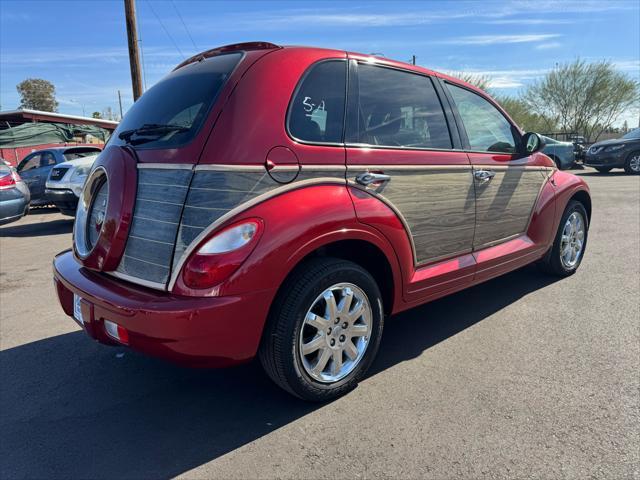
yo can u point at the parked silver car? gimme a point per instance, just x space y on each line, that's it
65 183
14 195
562 153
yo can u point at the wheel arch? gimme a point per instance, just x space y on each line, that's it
585 199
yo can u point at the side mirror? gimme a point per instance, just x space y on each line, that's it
532 143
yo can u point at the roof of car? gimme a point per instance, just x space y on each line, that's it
376 59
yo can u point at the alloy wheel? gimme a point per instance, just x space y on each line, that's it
572 241
335 333
634 163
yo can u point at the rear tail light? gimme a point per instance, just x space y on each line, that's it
220 256
117 332
9 180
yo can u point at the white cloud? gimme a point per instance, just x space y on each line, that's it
499 39
548 46
529 21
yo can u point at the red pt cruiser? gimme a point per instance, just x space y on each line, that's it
280 202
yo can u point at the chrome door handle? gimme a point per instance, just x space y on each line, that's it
368 178
484 175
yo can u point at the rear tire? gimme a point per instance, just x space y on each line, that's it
603 169
564 256
632 165
296 340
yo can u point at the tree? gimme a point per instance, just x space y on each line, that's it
96 115
583 97
483 82
526 119
37 94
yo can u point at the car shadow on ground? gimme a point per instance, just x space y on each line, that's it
40 229
70 408
595 173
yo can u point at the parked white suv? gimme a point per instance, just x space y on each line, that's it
65 182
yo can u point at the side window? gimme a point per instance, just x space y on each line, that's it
487 129
316 113
399 109
47 159
30 163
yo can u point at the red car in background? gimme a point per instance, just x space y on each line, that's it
281 202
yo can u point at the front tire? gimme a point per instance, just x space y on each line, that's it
566 253
632 165
323 330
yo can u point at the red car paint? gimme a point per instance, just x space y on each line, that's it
223 325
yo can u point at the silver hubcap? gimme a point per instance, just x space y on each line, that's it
335 333
634 163
572 241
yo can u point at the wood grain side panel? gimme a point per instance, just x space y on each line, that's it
438 206
504 205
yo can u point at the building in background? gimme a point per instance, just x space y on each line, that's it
24 131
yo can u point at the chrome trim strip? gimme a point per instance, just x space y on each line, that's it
177 267
447 256
228 167
410 167
137 281
493 243
167 166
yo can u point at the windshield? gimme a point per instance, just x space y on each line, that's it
633 134
182 99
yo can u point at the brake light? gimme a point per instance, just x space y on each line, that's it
217 258
9 180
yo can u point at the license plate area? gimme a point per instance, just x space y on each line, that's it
77 309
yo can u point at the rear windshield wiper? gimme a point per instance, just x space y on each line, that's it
150 131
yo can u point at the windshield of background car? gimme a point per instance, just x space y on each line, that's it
183 98
632 135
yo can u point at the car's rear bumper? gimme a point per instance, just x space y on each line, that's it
194 331
13 205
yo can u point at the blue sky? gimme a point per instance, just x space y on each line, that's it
80 46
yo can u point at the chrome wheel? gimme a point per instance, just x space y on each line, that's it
634 163
335 333
572 242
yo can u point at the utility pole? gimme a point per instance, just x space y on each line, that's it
413 59
120 102
134 55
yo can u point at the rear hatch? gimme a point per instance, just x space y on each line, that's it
167 128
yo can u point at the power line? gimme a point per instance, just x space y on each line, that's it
165 30
184 25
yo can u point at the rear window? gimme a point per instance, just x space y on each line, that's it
73 153
182 98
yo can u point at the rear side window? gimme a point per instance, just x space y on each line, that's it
399 109
47 159
183 98
73 153
316 113
30 163
487 129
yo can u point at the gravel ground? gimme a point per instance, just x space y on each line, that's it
523 376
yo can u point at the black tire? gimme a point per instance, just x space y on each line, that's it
627 164
280 352
556 160
603 169
551 263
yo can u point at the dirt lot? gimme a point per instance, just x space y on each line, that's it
522 376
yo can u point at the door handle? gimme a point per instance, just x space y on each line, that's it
368 178
484 176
